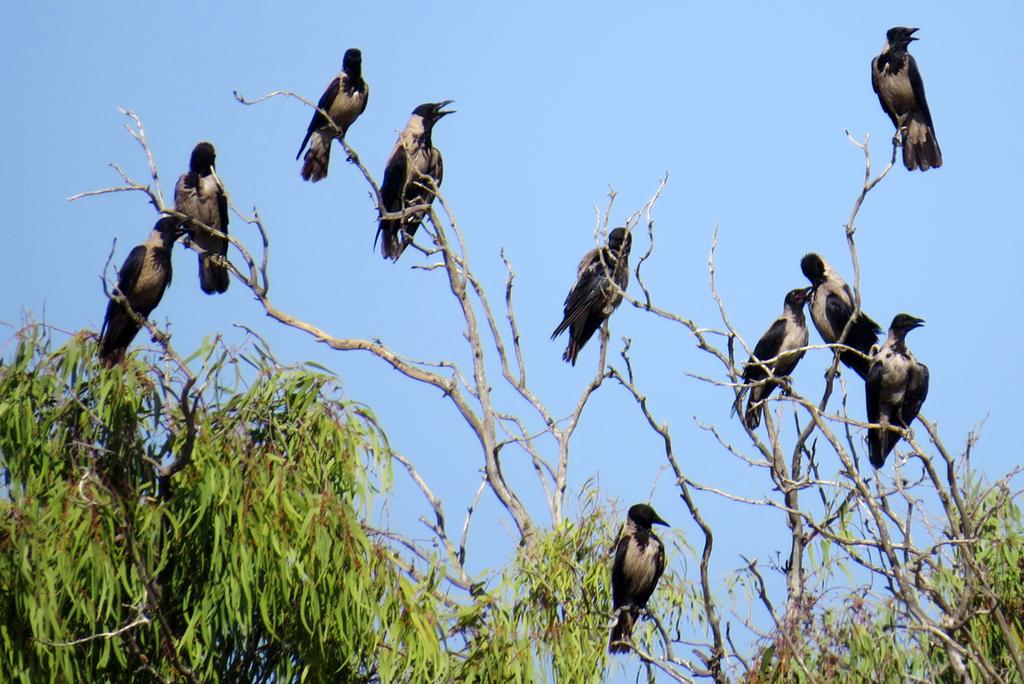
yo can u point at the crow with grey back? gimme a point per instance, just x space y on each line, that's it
895 389
143 277
896 80
832 305
413 165
779 350
594 296
199 195
639 564
344 100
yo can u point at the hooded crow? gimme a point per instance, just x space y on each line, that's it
896 387
831 307
778 350
413 160
898 84
344 100
199 195
593 298
639 563
143 277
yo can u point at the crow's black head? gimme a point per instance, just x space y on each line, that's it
813 267
899 37
620 242
432 112
644 516
353 62
795 299
203 158
904 323
171 228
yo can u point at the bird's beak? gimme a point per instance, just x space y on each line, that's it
439 109
659 521
918 323
912 31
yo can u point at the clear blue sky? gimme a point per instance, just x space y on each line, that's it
744 105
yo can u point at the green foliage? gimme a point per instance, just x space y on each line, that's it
251 563
551 612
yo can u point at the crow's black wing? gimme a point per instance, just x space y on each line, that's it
766 348
318 120
587 295
918 87
917 392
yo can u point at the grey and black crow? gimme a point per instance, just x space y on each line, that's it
779 349
413 158
344 100
896 387
831 307
199 195
639 563
143 277
896 80
593 298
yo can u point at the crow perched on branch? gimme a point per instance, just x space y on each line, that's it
412 162
639 563
896 387
593 298
143 277
831 307
344 100
199 195
896 80
781 342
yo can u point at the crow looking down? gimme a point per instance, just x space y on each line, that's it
594 297
199 195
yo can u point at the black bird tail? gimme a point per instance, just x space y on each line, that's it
572 350
880 444
752 416
318 157
920 147
391 245
574 346
111 356
213 279
622 631
118 332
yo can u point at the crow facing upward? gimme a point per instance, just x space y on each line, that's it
896 80
593 298
344 100
413 158
639 563
831 306
143 277
896 387
784 342
199 195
